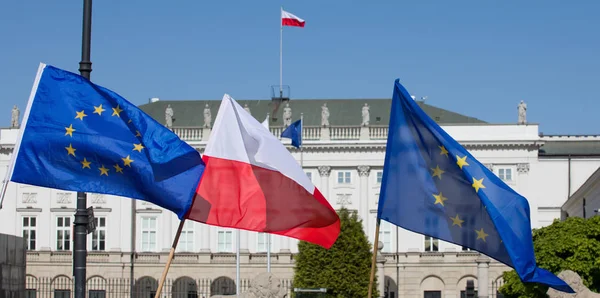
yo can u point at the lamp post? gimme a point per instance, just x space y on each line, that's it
81 215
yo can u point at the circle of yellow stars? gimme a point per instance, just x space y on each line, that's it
440 199
102 169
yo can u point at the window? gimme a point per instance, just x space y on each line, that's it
432 294
148 233
97 294
344 177
309 175
463 294
263 241
30 293
63 233
225 243
186 239
29 227
99 235
62 294
505 174
379 176
431 244
385 236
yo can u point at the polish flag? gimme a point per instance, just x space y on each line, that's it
288 19
252 182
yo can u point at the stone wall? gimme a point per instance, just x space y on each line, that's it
12 266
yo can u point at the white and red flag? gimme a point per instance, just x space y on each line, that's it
252 182
288 19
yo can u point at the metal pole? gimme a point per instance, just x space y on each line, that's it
81 216
281 55
301 140
268 252
237 265
133 238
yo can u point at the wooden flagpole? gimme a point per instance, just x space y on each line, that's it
374 260
171 255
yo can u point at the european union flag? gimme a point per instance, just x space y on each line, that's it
79 136
431 185
294 132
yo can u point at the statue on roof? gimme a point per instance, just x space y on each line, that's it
287 115
522 108
14 119
324 115
365 115
247 108
169 117
207 116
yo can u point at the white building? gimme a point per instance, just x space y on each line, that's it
343 159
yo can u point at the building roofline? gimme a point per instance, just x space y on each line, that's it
589 185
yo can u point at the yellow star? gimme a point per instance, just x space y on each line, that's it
439 199
138 147
127 161
70 130
481 234
80 115
437 172
137 133
70 150
477 184
117 111
456 221
103 171
118 169
85 164
461 161
443 151
98 110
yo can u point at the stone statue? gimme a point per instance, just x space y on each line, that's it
574 280
14 119
365 115
287 115
207 116
265 285
324 115
169 117
522 107
247 108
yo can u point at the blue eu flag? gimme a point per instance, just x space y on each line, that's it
79 136
431 185
294 132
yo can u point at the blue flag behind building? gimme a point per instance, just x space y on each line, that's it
294 132
79 136
431 185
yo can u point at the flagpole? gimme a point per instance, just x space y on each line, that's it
375 248
281 55
268 252
237 265
170 259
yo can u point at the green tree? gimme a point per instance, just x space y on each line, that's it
344 269
573 244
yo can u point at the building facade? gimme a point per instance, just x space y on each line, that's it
343 154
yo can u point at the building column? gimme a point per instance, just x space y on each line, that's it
205 238
363 172
324 172
483 265
380 272
167 231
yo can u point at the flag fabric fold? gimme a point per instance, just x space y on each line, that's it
288 19
252 182
294 132
79 136
431 185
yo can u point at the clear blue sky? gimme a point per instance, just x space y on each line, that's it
479 58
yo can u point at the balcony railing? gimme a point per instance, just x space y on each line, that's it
309 133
